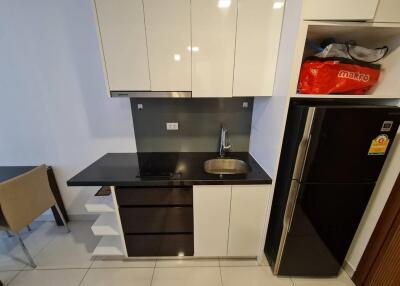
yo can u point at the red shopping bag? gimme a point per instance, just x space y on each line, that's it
337 76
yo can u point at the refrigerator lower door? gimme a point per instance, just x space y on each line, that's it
319 227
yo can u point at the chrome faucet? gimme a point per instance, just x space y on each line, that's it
223 145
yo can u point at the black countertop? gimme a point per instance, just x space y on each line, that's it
164 169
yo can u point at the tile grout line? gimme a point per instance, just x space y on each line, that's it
220 275
12 279
220 270
87 270
83 278
291 280
154 270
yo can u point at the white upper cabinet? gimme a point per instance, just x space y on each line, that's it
249 206
123 39
213 46
168 39
257 43
339 9
211 207
388 11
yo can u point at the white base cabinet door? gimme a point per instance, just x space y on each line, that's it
211 207
249 205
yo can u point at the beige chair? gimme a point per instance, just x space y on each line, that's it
23 199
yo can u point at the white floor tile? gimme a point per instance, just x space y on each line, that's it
69 250
342 280
64 277
118 276
11 254
238 262
12 261
184 276
252 276
187 262
7 276
105 262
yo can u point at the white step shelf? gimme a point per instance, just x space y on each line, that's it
109 246
106 225
100 204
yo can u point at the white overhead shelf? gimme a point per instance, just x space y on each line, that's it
371 35
100 204
109 245
106 225
345 96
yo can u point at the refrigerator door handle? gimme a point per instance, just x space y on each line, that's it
305 156
287 220
293 206
293 195
303 147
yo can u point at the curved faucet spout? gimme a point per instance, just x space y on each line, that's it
224 146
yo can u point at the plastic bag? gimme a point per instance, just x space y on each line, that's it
341 69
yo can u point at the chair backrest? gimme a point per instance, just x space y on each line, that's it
24 198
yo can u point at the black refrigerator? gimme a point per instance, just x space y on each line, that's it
331 158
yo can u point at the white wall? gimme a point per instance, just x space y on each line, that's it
53 106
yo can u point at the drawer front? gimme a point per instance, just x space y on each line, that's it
156 219
154 196
159 245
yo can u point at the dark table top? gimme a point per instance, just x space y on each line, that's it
164 169
9 172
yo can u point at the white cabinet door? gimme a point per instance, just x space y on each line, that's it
168 39
211 207
122 32
247 219
339 9
388 11
213 45
257 43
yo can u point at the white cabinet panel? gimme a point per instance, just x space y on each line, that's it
257 43
122 32
213 45
211 207
388 11
247 219
339 9
168 39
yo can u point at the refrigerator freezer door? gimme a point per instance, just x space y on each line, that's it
341 140
325 219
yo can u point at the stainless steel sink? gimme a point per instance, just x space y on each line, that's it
223 166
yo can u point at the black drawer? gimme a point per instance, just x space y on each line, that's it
154 196
159 244
156 219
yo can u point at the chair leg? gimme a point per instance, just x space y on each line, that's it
27 254
62 218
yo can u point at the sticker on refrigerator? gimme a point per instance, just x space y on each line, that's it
386 126
379 145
